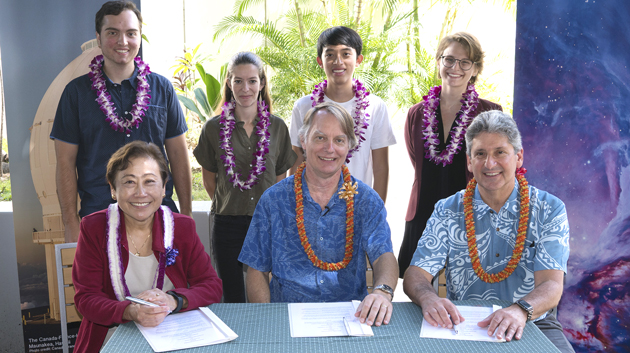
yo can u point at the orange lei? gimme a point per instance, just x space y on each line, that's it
520 238
299 218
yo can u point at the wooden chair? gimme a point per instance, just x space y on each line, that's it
64 256
369 275
439 284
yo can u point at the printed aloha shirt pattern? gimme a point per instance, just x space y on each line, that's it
444 243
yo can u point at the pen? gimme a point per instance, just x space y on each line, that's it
456 329
140 301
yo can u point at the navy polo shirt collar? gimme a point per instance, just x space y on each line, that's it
132 79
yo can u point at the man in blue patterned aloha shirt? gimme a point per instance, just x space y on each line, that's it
273 243
494 152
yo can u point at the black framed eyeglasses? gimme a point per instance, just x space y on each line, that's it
450 61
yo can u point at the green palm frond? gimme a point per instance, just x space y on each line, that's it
240 6
229 24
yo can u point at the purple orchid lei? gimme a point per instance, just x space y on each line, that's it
114 248
431 102
360 117
104 99
228 122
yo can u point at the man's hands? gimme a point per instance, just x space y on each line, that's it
508 322
441 311
375 309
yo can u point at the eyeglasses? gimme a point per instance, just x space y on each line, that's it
450 61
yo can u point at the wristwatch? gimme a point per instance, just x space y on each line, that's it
385 288
178 299
525 306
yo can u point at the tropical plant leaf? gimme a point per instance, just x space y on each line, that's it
240 6
202 100
191 105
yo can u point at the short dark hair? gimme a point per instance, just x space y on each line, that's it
120 160
339 35
115 8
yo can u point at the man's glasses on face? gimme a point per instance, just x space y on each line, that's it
450 61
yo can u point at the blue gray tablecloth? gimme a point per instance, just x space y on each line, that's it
265 328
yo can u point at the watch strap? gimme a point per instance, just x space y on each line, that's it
385 288
178 299
526 307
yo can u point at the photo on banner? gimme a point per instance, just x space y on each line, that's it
571 102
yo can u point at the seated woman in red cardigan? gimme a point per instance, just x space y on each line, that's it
138 248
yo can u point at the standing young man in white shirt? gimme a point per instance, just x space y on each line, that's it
338 54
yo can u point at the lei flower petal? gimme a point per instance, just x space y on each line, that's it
104 99
299 218
114 249
360 117
228 122
431 102
520 237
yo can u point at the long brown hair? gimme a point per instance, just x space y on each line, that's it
244 58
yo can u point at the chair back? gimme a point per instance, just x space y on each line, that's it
64 257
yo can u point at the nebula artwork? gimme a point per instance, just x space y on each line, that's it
572 105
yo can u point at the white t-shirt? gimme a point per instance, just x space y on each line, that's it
379 133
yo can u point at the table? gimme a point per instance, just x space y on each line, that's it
265 328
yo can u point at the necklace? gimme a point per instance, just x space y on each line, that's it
348 191
360 117
431 102
520 237
228 122
114 249
142 246
105 100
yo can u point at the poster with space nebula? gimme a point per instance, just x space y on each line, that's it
572 104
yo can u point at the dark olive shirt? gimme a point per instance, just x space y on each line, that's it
227 199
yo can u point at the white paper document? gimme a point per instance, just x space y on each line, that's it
326 320
468 330
191 329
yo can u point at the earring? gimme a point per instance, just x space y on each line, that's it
163 195
113 197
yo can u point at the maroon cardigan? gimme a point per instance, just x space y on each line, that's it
192 275
414 139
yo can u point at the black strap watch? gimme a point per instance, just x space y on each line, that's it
385 288
526 307
178 299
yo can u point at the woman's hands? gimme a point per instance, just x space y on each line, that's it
150 316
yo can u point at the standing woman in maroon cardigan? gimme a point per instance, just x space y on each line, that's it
138 248
434 134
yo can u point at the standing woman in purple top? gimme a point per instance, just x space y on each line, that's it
434 134
243 151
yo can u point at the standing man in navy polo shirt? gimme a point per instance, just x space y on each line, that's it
119 101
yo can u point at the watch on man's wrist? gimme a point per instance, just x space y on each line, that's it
178 299
385 288
526 307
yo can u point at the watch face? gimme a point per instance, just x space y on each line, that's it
528 308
